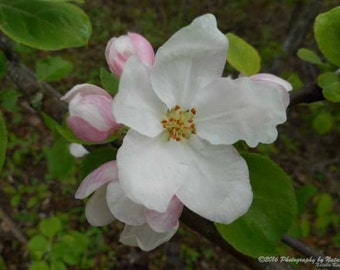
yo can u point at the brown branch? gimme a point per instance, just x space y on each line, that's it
305 250
307 94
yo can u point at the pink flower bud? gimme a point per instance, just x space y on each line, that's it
119 49
91 118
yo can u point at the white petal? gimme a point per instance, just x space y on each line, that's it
105 173
242 109
84 90
97 212
191 57
217 186
162 222
270 78
136 105
122 207
144 237
150 169
77 150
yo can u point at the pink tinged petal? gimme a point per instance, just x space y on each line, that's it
136 105
217 186
143 48
104 174
242 109
151 170
84 90
162 222
95 109
144 237
77 150
192 57
96 210
117 52
84 131
122 207
270 78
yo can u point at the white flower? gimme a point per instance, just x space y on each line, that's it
143 227
183 120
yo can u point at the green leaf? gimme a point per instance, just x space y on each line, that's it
109 81
59 160
324 205
38 246
58 265
49 121
53 68
39 265
45 25
259 231
71 248
327 34
303 195
8 99
96 158
3 64
309 56
330 84
242 56
3 141
323 122
50 226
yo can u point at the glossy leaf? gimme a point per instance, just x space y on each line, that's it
52 69
3 141
259 231
330 84
242 56
327 34
45 25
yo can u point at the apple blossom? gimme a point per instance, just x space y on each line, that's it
143 227
91 117
119 49
183 119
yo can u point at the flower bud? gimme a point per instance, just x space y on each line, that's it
91 118
119 49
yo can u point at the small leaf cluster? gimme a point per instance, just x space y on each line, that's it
54 249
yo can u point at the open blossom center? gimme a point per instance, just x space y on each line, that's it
179 124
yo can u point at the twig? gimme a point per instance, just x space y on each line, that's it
12 227
304 249
307 94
